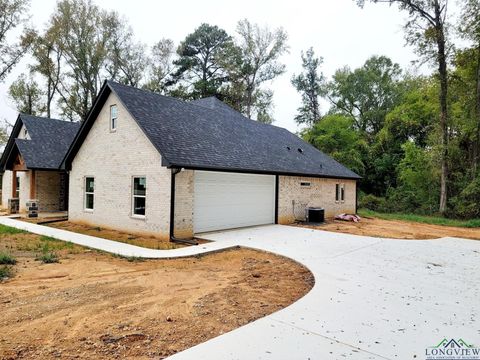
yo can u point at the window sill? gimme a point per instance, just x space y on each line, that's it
138 217
88 210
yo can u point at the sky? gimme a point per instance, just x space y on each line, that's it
338 30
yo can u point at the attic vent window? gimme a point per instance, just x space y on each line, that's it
300 150
305 184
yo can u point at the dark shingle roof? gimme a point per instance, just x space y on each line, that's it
192 135
49 141
213 103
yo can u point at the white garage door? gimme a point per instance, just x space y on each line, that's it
231 200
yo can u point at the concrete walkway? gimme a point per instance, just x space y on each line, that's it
373 298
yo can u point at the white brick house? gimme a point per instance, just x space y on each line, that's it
147 163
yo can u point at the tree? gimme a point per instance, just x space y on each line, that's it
83 39
309 85
160 66
253 61
199 60
48 57
470 29
127 59
366 94
426 29
12 15
27 96
336 135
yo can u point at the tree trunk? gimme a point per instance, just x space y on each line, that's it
443 76
476 158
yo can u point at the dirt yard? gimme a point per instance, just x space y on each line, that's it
398 229
150 242
92 305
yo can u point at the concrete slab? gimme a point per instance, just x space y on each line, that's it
373 298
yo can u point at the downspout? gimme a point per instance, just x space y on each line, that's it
175 171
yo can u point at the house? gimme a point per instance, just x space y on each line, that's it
31 162
147 163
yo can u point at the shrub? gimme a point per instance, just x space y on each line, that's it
6 272
372 202
466 204
48 258
7 259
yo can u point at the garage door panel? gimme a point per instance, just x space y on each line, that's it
230 200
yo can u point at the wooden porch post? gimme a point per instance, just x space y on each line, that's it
14 183
32 185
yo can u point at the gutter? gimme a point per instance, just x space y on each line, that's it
173 239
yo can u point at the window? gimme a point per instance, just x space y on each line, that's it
25 133
89 192
113 117
339 192
139 195
305 184
17 187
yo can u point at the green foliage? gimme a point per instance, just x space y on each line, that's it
48 258
434 220
309 84
335 135
7 259
6 272
372 202
199 60
417 189
366 94
467 203
27 96
13 14
10 230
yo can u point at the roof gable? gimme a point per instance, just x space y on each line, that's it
192 135
49 140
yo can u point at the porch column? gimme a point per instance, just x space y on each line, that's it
33 189
14 183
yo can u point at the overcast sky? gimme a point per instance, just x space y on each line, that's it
338 30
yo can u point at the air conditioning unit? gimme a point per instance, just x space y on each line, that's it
315 215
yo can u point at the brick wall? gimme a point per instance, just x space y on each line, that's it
113 158
48 190
294 198
184 204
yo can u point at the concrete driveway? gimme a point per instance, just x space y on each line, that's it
373 298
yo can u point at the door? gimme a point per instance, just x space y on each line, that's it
225 200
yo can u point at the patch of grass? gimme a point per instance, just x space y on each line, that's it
6 272
48 258
10 230
129 258
434 220
7 259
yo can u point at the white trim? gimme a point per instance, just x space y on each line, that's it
112 119
133 196
85 193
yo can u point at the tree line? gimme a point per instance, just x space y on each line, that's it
83 44
415 139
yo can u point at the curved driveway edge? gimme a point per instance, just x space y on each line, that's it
372 299
114 247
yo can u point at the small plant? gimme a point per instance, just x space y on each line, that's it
7 259
6 272
48 258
